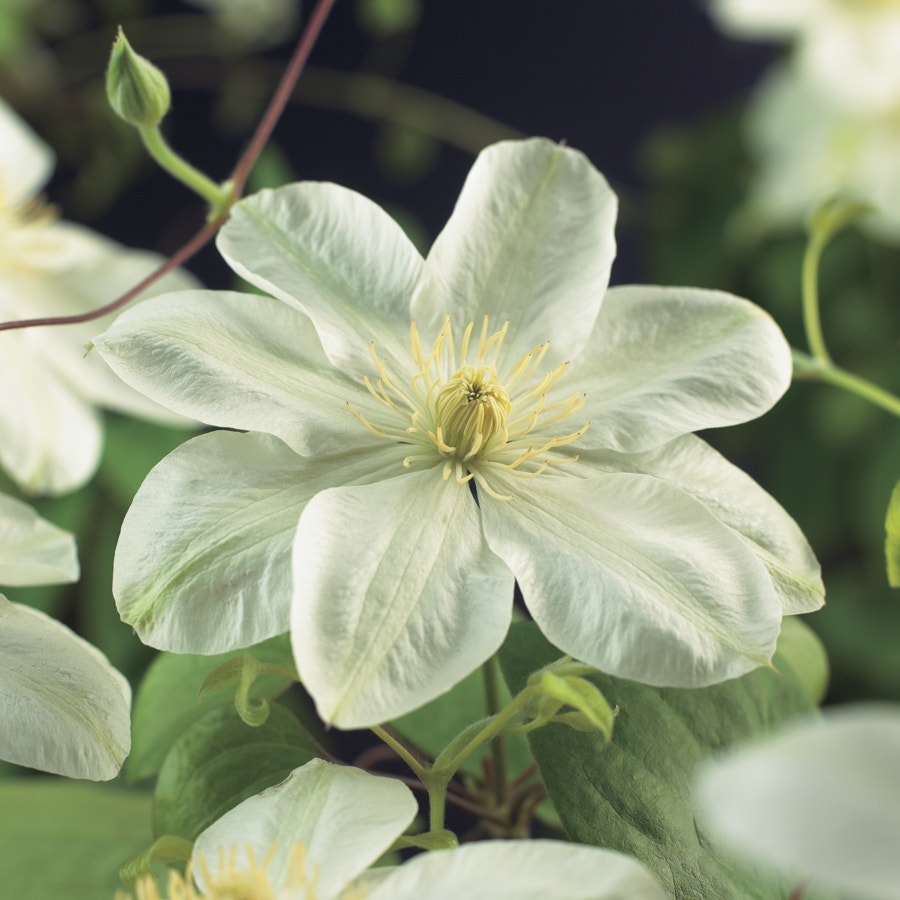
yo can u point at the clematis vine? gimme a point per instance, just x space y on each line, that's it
314 836
49 391
421 435
65 709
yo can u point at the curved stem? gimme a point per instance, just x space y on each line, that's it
216 195
810 280
820 370
420 771
492 677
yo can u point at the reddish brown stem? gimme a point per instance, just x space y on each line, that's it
238 179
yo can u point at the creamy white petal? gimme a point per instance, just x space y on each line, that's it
633 576
531 240
663 362
238 361
820 800
25 160
65 709
396 596
51 438
344 817
203 563
33 550
520 870
333 254
739 502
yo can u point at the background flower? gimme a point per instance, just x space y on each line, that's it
65 709
50 387
320 829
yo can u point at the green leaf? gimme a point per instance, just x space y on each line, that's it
594 713
800 646
65 839
634 794
892 541
167 703
220 761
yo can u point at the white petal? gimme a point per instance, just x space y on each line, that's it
25 161
396 596
237 361
663 362
203 560
820 800
65 709
520 870
333 254
739 502
633 576
51 437
530 240
32 550
344 817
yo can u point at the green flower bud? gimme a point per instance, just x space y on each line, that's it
136 89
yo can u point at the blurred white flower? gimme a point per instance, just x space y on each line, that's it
64 708
49 389
848 49
820 800
269 21
808 149
313 837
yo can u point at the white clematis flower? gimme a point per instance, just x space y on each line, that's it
423 433
64 708
313 837
848 49
820 800
49 388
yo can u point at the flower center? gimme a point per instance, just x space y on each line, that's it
463 410
472 408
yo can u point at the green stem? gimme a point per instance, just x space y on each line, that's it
218 196
811 319
420 771
820 370
494 702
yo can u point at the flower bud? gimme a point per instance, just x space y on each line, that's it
136 89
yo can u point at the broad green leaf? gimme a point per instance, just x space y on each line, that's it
892 541
633 794
220 761
61 839
166 702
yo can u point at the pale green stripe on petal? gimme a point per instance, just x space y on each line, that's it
396 596
203 560
663 362
634 577
531 240
520 870
32 550
344 818
335 255
64 708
